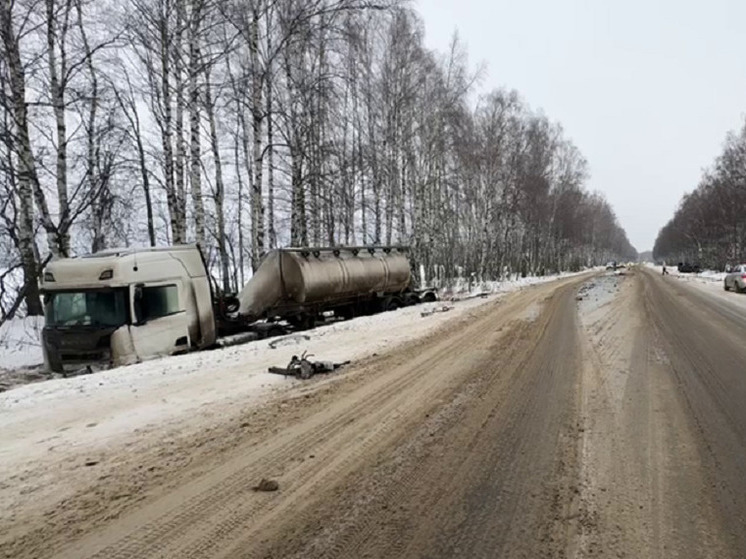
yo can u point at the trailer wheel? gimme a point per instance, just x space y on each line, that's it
346 313
390 304
304 321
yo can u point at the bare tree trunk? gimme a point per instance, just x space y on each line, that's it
177 55
392 182
145 184
57 93
346 169
241 144
195 153
298 230
298 223
257 203
101 197
177 228
361 170
131 113
239 216
271 232
219 187
374 165
402 199
26 163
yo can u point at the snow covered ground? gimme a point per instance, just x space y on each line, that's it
19 342
462 286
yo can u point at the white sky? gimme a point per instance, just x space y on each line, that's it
646 89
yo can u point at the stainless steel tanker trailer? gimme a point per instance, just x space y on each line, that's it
298 285
122 306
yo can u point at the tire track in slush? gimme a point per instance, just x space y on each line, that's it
500 464
161 535
208 515
704 345
392 486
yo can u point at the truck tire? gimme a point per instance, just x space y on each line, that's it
429 297
346 312
303 321
390 304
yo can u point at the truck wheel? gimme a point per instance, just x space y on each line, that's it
429 297
308 321
302 321
725 286
346 313
390 304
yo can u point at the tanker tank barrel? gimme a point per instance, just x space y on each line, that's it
301 278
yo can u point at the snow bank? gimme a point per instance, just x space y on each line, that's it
704 275
462 286
712 275
20 343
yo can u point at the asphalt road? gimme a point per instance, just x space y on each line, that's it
591 417
704 339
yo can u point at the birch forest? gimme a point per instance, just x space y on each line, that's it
709 226
246 125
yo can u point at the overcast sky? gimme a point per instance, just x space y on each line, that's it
647 89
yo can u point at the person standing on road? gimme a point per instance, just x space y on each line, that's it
665 272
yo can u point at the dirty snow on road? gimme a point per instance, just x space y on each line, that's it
642 489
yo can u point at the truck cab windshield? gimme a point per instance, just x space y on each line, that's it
86 308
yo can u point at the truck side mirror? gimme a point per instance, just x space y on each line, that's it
139 314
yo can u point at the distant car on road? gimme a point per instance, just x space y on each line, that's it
687 268
735 279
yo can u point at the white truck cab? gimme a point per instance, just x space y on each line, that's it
122 306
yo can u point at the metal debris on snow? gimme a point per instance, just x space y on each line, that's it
303 368
442 308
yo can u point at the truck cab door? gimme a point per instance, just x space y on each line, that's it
159 321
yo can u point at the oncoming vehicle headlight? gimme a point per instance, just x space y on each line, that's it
106 274
48 276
